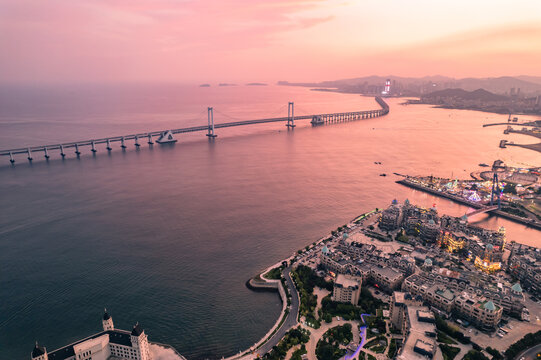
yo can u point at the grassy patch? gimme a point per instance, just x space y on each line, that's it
292 338
392 349
274 274
449 352
328 348
445 339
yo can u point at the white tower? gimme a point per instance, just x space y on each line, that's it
39 353
107 322
139 341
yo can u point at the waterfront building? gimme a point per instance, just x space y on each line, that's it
451 242
436 295
487 261
455 295
374 269
461 226
334 263
347 289
414 220
386 278
479 310
111 343
391 217
524 264
429 231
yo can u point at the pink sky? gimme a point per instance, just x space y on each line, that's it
237 41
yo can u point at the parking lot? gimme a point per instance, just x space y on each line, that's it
516 330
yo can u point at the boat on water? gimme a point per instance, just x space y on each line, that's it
317 120
166 138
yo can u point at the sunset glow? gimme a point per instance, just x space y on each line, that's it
236 40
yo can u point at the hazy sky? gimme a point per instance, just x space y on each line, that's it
253 40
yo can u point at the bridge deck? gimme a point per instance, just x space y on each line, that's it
482 210
8 152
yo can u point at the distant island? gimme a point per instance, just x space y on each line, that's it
226 84
204 85
256 84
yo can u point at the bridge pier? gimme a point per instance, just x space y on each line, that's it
290 115
495 190
167 136
210 117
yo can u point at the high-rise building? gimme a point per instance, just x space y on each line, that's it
387 88
347 289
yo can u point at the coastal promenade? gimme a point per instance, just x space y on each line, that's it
415 185
291 318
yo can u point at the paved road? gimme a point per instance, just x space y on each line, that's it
291 319
530 354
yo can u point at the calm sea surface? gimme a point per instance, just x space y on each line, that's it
167 236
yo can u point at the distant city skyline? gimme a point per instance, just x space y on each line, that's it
62 41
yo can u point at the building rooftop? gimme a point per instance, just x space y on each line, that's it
421 334
38 350
119 337
446 293
342 280
489 305
516 287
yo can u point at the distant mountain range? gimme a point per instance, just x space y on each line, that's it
500 85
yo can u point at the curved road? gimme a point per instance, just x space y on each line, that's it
530 354
291 319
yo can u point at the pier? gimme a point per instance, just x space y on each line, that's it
166 136
479 208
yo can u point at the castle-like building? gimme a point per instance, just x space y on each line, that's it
109 344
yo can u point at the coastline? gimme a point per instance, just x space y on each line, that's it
272 286
249 353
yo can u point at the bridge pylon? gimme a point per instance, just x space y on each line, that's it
290 115
210 115
496 190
